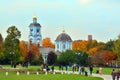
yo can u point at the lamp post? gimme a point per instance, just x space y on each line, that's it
46 59
11 53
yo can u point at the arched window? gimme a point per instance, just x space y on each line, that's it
31 30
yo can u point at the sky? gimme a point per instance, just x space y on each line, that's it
80 18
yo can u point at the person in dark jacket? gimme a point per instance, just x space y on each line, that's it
113 74
91 69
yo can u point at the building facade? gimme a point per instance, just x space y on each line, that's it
35 32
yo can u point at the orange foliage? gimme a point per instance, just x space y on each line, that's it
80 45
94 50
47 43
35 49
108 56
23 48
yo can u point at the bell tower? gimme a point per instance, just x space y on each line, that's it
35 32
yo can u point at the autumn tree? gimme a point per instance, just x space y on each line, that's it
23 48
80 45
23 51
94 50
91 44
108 56
33 54
97 58
47 43
34 49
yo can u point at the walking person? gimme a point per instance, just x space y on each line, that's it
82 69
100 70
79 70
88 71
66 67
59 66
118 74
113 74
73 68
91 69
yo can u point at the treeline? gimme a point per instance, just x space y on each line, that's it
14 51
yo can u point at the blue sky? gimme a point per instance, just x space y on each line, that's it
100 18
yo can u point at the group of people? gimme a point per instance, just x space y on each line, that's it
75 68
47 68
79 69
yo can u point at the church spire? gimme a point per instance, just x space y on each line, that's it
34 17
63 30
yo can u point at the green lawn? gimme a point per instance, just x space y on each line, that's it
24 76
105 70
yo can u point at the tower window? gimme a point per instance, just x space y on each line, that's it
38 30
31 31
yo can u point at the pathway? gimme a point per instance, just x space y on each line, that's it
105 77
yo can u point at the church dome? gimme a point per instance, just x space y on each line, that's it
63 37
34 24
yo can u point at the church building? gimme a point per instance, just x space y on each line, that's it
63 42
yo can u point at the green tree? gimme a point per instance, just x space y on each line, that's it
66 57
81 57
11 45
116 48
109 45
1 44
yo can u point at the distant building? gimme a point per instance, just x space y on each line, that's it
45 52
63 42
35 32
89 37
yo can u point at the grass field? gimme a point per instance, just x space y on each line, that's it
33 76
